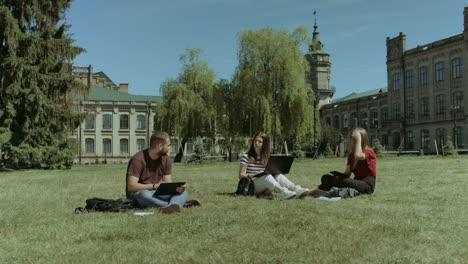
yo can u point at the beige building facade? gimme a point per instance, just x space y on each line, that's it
117 125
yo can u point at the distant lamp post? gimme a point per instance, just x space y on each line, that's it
315 103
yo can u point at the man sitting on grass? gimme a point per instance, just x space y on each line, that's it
147 169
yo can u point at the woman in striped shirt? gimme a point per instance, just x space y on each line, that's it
254 162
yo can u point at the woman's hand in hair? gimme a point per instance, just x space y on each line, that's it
356 135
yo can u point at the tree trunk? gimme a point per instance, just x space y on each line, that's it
180 154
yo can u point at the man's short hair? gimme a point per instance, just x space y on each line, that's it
158 137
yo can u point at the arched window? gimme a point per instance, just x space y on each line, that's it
89 145
141 122
107 146
425 140
124 121
124 146
106 121
440 137
457 68
141 144
409 140
89 122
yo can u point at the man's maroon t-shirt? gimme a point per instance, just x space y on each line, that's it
148 170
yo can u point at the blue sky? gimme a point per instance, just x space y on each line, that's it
139 42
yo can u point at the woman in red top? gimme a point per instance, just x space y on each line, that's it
361 162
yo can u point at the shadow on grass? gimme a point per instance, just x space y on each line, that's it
233 194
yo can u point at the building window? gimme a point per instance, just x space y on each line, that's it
384 140
141 144
410 108
458 137
439 71
123 121
423 75
328 120
396 140
354 118
384 116
409 140
141 121
106 121
440 104
457 68
396 111
424 111
345 121
90 120
440 137
425 140
409 79
396 81
336 121
89 145
123 146
375 119
458 101
364 120
107 146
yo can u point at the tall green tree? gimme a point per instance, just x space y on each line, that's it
37 86
228 118
188 106
270 77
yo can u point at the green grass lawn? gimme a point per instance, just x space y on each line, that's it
418 214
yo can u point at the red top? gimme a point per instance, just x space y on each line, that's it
366 167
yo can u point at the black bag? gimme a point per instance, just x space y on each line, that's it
106 205
245 187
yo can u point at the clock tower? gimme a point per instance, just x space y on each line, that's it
318 76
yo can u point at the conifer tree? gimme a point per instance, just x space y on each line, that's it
37 86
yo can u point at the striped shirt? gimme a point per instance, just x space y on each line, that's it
252 168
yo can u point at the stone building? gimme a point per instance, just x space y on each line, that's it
118 124
424 105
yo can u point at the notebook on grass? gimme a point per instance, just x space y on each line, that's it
168 188
277 165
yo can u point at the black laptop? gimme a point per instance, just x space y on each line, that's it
168 188
277 165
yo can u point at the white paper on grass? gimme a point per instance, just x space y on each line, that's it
141 213
328 199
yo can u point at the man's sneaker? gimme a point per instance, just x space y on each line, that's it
191 203
301 192
286 194
172 208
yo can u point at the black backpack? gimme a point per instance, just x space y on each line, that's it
106 205
245 187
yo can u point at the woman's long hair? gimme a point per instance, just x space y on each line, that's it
265 152
364 140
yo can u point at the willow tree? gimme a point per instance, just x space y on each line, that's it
228 118
37 84
188 109
270 77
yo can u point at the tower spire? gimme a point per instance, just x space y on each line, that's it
315 45
315 34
